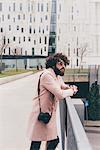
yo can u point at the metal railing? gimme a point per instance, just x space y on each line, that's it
76 136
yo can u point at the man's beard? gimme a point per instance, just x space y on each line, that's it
58 72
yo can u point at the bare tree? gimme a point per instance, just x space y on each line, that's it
82 53
3 47
16 52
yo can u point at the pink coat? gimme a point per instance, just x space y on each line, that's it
49 83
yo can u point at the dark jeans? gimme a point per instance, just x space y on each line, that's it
51 145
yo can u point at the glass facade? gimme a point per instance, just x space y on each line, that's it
52 37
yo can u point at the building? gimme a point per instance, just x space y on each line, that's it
78 31
25 27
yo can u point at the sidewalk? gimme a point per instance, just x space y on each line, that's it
14 77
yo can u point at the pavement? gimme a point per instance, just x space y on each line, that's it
14 77
93 134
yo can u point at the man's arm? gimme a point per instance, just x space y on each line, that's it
52 85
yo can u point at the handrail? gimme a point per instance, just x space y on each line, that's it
76 74
80 141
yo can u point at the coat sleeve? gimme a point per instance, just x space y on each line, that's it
51 85
63 85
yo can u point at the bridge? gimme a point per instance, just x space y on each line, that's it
16 106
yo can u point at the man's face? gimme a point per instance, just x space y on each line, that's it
60 68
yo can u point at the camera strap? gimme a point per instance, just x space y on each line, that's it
39 91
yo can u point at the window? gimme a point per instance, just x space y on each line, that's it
72 17
59 7
13 6
20 6
40 40
47 7
17 27
24 38
9 8
23 16
2 17
34 30
22 30
29 39
9 27
34 42
77 41
39 29
45 40
1 29
47 28
8 41
13 19
28 7
45 48
74 28
9 50
8 16
43 31
14 38
77 51
18 17
42 7
15 51
46 17
31 18
4 40
32 50
68 51
31 7
30 30
77 62
38 7
19 40
41 50
4 51
41 20
21 51
0 6
34 19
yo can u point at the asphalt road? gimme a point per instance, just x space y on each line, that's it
15 106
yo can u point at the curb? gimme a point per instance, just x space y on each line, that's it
89 123
14 77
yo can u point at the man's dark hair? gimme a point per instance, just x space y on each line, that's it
51 61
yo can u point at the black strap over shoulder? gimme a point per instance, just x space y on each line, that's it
39 90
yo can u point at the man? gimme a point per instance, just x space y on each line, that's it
51 90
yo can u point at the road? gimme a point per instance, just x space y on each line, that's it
15 107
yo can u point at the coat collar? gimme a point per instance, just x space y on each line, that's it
51 71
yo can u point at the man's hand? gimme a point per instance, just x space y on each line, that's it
74 88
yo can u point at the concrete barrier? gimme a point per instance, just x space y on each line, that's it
14 77
76 136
